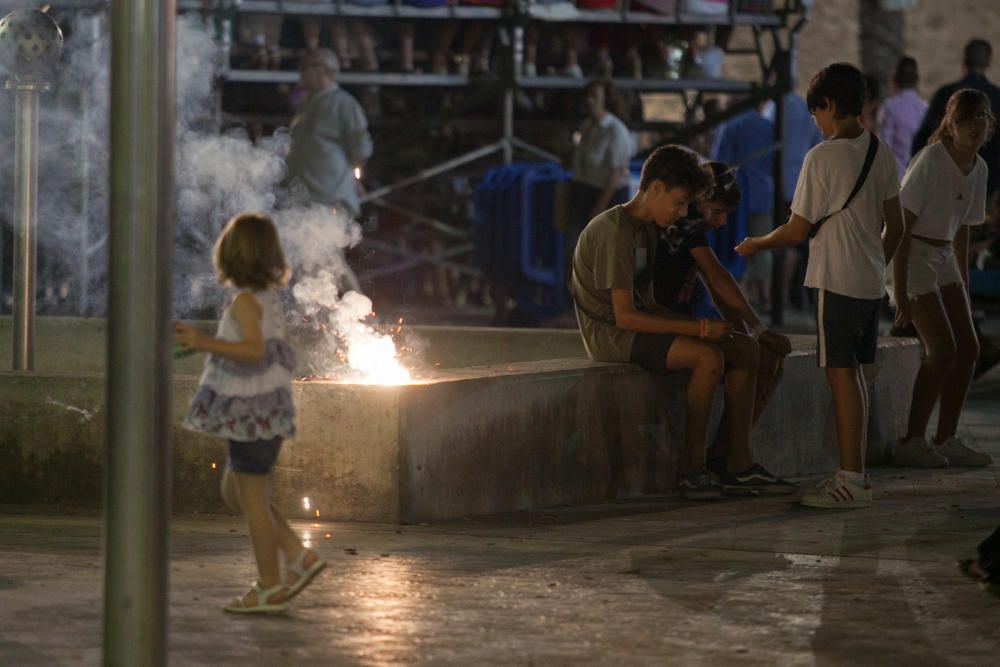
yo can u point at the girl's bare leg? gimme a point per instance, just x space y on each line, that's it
931 321
959 312
256 508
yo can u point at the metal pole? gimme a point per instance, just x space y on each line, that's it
25 223
783 85
30 43
93 25
141 219
508 125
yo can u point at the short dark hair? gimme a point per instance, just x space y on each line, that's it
977 55
841 83
906 75
724 189
676 167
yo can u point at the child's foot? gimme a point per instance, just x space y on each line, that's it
970 568
960 454
700 485
302 570
755 480
917 453
260 601
838 492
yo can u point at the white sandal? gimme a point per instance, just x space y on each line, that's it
262 606
305 575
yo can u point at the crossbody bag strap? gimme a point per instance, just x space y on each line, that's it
869 160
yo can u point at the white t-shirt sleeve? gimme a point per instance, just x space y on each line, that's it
977 212
811 199
918 183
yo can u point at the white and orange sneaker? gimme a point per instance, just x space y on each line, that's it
838 492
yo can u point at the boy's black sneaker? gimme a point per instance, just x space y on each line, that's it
754 481
700 485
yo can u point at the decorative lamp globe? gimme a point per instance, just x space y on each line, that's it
30 43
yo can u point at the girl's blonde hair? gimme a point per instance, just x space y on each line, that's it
964 105
248 253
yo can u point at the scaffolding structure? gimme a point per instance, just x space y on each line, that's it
452 250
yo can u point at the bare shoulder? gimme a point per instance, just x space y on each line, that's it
246 304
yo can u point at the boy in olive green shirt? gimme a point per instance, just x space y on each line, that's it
611 284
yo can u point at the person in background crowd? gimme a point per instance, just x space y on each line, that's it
329 137
901 114
873 104
798 136
600 161
976 61
745 142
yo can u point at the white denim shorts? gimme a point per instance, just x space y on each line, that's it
929 269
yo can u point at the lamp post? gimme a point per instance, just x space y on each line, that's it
30 43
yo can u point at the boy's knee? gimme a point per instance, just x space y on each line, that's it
712 361
743 352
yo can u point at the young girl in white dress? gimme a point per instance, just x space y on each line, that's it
245 396
943 194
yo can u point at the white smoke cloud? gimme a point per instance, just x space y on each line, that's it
216 178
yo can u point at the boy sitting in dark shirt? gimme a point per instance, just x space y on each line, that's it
682 256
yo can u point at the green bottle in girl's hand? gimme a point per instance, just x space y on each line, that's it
180 352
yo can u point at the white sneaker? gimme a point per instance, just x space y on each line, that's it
838 492
573 71
960 454
917 453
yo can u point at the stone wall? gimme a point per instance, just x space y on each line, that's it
933 33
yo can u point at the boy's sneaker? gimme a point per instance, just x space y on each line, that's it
960 454
700 485
755 480
917 453
838 492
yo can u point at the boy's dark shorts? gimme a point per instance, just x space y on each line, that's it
649 350
255 457
847 328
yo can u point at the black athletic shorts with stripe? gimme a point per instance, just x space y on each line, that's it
847 328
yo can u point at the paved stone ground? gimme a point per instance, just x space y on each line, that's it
759 582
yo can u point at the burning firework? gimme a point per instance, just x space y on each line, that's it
352 349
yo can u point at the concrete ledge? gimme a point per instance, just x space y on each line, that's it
493 438
79 345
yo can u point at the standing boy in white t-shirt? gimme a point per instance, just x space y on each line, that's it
847 260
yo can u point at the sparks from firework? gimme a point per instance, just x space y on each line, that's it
350 338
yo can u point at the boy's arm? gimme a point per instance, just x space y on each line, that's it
792 233
725 291
630 319
894 227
